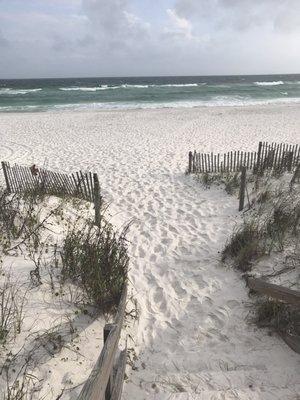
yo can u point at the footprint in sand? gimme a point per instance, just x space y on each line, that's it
166 241
172 229
158 249
153 258
141 252
232 303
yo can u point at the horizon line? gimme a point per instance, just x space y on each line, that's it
146 76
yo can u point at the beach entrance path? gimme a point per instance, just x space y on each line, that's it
192 339
192 334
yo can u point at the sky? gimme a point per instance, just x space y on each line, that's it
82 38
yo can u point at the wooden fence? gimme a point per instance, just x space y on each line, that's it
277 156
106 379
21 179
82 185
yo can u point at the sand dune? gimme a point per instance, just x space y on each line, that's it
192 338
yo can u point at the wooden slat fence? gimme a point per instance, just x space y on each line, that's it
103 383
25 179
277 156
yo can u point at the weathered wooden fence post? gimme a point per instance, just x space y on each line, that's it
4 165
242 188
97 200
109 387
257 167
190 161
296 176
290 161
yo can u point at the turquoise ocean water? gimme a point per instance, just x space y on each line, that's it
146 92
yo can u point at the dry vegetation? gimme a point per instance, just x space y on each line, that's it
269 235
229 180
74 260
266 243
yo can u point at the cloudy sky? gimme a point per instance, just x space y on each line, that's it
63 38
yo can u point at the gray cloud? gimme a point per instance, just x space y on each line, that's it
107 37
280 15
3 41
114 22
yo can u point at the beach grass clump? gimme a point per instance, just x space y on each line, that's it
16 378
229 180
19 215
277 315
244 246
97 259
12 301
283 221
271 224
269 312
264 196
23 219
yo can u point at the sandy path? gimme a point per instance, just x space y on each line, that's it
192 337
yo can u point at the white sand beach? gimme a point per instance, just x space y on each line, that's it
192 339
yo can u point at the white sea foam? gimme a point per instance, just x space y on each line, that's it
103 87
274 83
83 89
178 85
8 91
218 101
127 86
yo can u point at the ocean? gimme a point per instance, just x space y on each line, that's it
36 95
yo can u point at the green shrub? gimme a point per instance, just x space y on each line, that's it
97 259
244 246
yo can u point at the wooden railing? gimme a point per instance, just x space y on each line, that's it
103 383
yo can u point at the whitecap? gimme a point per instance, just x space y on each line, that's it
178 85
127 86
274 83
8 91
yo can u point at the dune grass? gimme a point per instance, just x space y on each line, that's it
97 259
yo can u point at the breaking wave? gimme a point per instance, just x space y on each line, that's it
274 83
8 91
217 101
